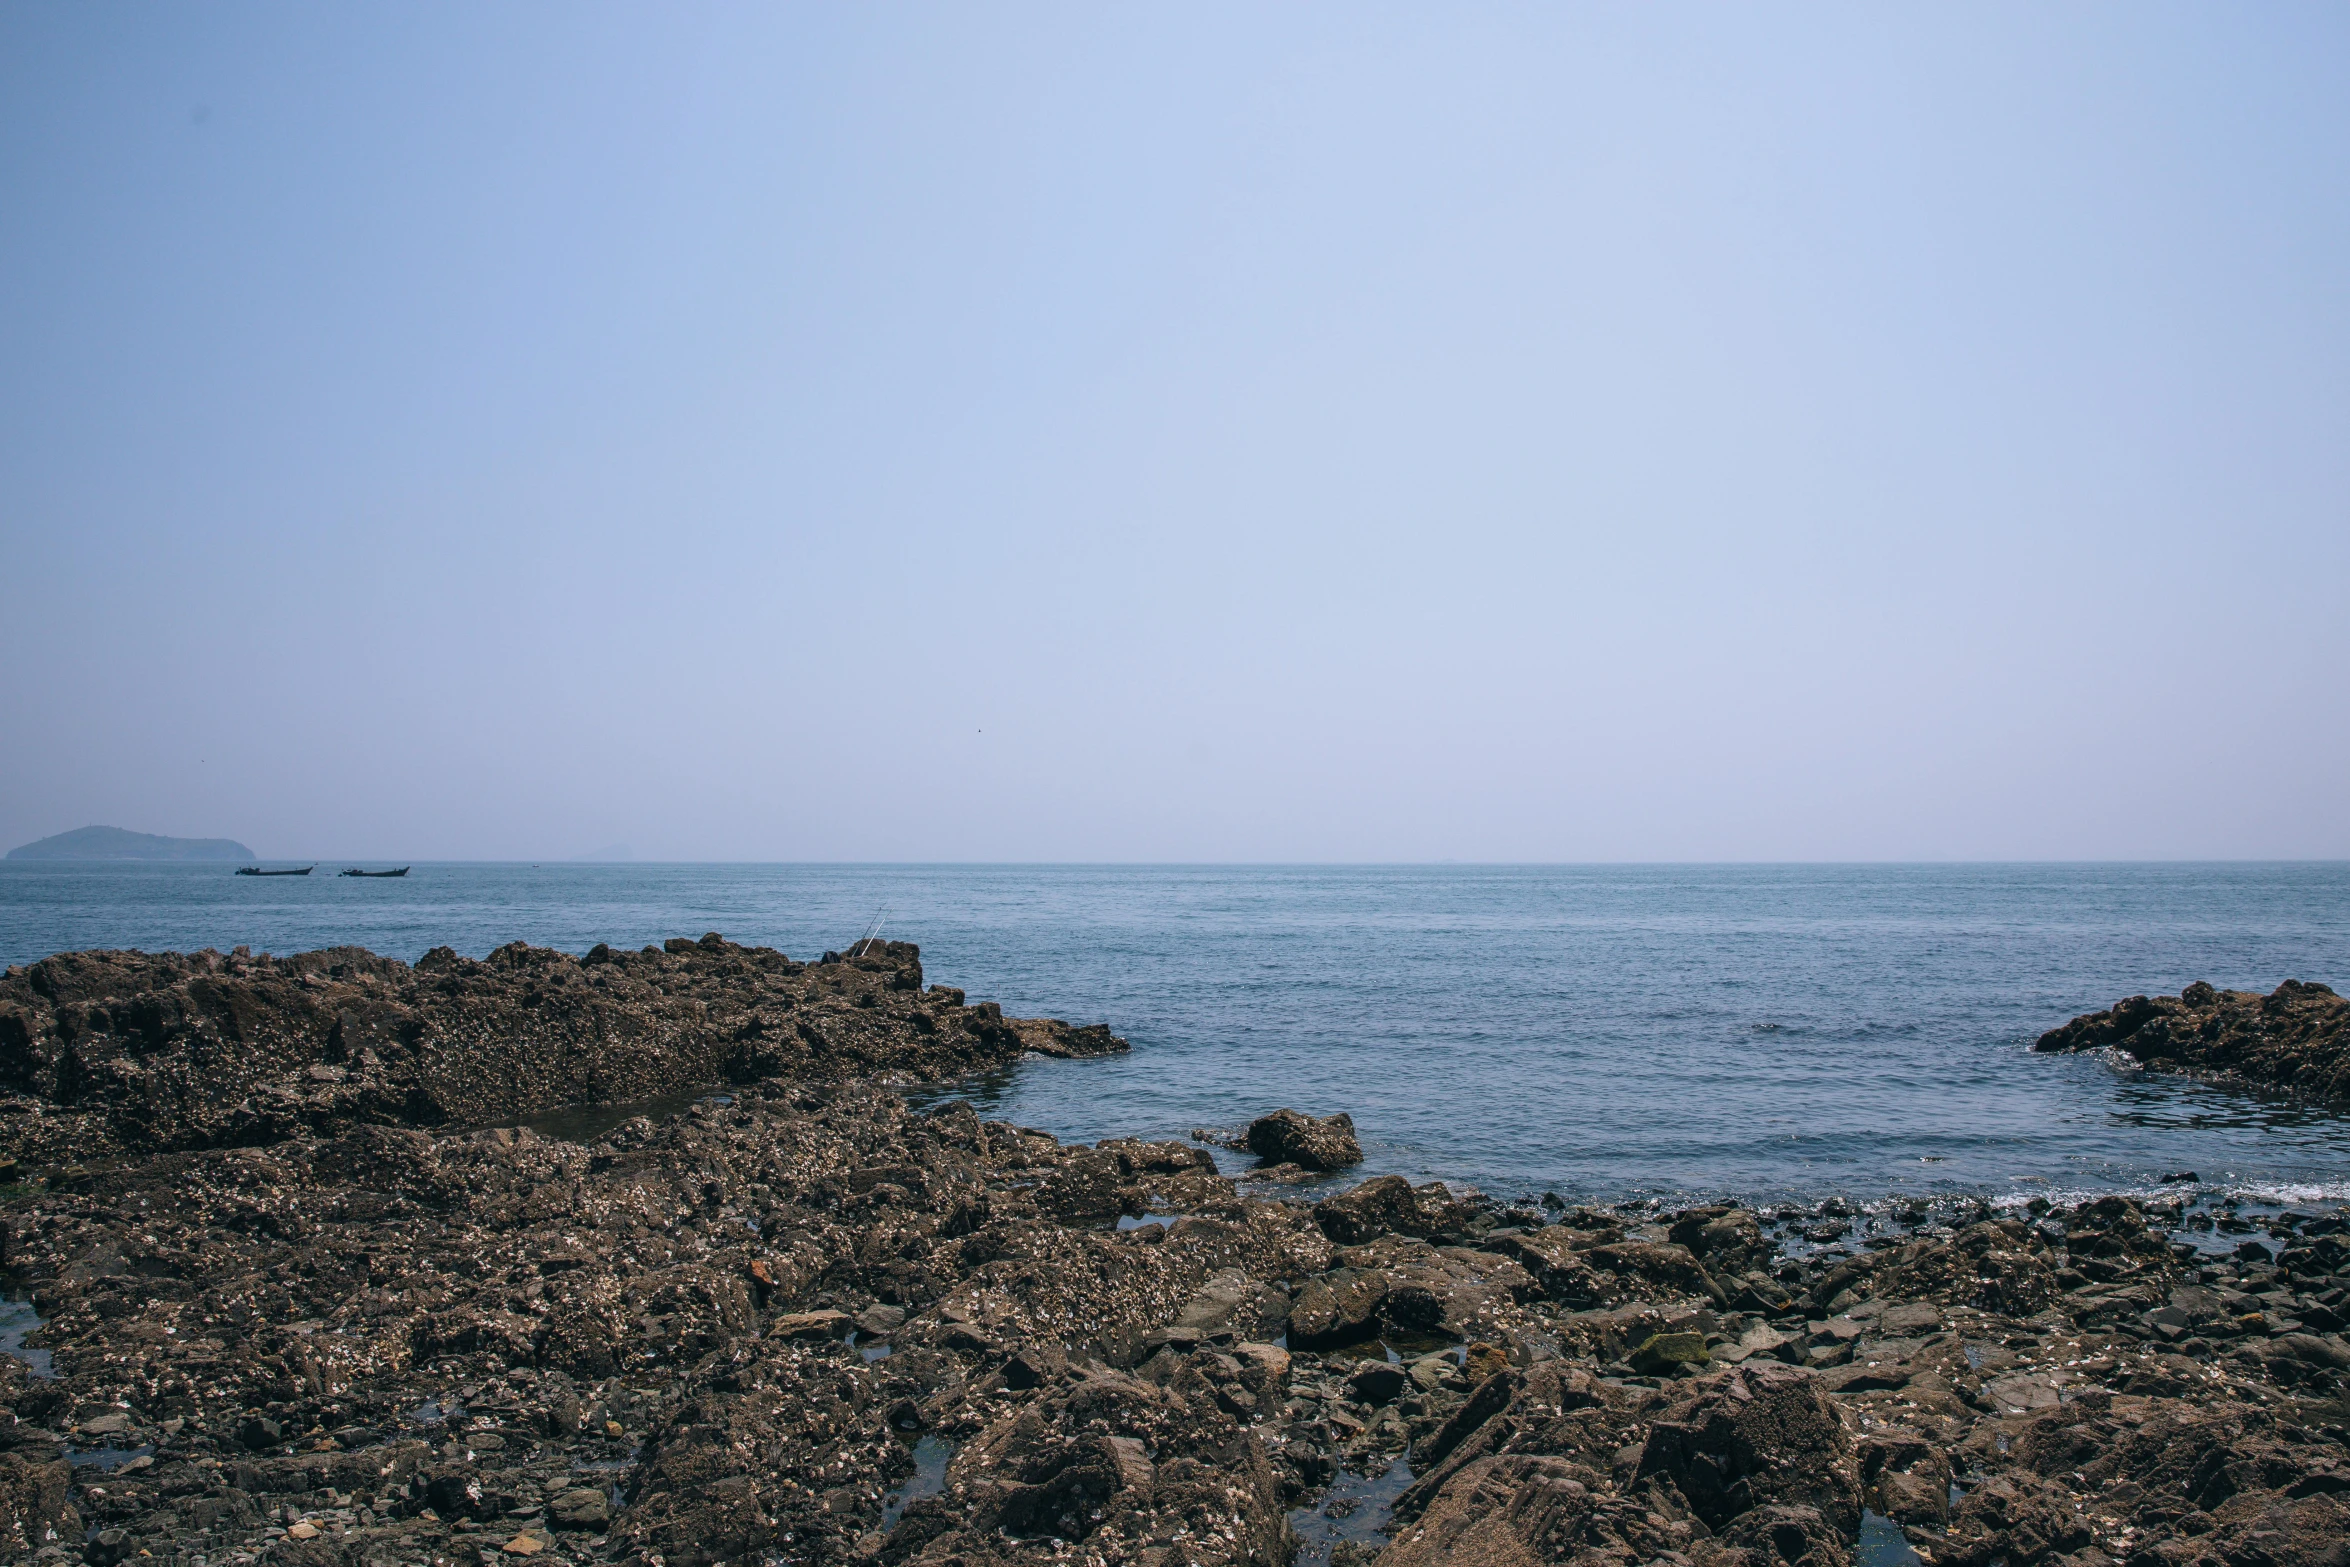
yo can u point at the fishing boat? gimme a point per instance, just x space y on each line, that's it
402 871
255 870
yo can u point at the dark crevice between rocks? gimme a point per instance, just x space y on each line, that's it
585 1123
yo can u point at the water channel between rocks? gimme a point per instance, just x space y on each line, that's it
1355 1510
18 1322
932 1454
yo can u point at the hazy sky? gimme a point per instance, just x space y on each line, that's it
1178 432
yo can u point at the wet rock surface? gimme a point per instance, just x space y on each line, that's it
802 1322
2296 1037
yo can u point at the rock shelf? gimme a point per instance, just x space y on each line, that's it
109 1053
802 1322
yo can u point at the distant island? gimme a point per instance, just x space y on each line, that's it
114 843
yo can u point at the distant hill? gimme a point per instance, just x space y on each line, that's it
113 843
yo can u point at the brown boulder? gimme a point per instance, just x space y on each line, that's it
1450 1291
33 1508
1995 1265
1728 1241
2016 1518
1667 1269
1388 1204
1287 1137
1554 1257
1503 1512
1338 1307
1783 1537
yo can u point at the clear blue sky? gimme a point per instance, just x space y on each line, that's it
1123 432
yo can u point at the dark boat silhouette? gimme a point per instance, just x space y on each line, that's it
255 870
402 871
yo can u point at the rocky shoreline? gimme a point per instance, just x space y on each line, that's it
799 1321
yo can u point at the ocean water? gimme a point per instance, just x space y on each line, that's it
1609 1032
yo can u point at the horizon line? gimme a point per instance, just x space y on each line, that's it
553 863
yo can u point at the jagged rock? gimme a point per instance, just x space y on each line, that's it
1287 1137
2002 1266
33 1505
1753 1436
1784 1537
1551 1408
1388 1204
1515 1510
1725 1241
1340 1307
135 1053
2015 1518
1555 1258
580 1509
1665 1269
2295 1037
1102 1454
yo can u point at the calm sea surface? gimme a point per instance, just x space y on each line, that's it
1603 1032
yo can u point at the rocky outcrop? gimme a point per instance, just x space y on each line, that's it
109 1052
2296 1037
1287 1137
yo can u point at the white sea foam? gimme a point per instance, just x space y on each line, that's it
2267 1194
2292 1195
